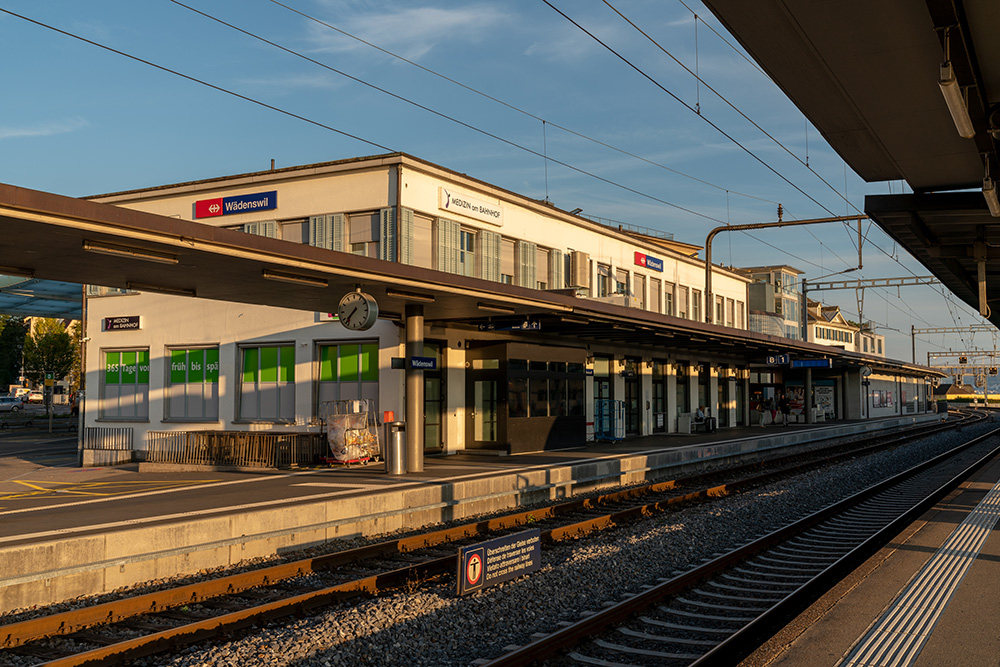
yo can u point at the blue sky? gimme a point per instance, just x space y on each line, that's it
623 142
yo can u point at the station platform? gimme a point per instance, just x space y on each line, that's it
928 599
67 531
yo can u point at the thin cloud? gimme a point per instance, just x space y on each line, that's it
411 32
49 129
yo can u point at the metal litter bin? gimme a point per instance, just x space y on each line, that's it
395 448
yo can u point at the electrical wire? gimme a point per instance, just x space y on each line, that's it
333 129
513 107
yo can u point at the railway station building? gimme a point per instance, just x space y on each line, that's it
590 328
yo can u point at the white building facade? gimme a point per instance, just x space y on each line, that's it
168 363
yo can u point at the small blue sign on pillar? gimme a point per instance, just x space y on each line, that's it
423 363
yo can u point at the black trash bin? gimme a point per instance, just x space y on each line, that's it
395 448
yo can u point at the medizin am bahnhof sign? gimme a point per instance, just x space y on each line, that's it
260 201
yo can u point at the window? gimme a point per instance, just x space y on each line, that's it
655 295
527 257
507 261
879 346
730 308
467 253
720 310
125 385
603 280
545 389
668 298
621 282
542 271
347 371
365 230
696 305
740 322
456 248
192 388
267 383
682 302
640 291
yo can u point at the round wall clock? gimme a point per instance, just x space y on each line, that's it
357 311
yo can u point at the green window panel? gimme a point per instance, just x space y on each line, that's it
328 363
250 364
178 366
142 361
112 368
268 364
287 364
369 362
129 368
196 365
212 365
348 363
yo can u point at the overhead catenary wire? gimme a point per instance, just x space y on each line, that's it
341 132
516 108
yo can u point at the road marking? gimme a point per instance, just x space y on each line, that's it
100 489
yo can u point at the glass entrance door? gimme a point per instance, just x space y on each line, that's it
632 397
484 425
435 399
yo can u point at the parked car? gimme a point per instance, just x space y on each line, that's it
21 392
36 396
10 403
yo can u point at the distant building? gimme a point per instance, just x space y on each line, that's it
828 326
953 390
775 300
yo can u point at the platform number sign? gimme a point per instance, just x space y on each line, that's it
473 567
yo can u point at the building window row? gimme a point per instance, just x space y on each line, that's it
451 247
835 335
266 387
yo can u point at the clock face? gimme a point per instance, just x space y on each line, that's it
357 311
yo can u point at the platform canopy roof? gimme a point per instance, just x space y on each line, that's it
30 297
62 239
866 75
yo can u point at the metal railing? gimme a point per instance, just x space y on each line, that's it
116 438
236 448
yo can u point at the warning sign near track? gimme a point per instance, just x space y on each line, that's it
498 560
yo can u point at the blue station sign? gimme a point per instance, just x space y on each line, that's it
423 363
259 201
812 363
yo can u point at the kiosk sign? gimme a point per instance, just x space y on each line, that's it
124 323
498 560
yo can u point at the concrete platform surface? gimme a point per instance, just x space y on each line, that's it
931 598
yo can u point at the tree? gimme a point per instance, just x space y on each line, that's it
12 332
48 349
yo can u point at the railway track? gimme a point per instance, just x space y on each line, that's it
721 611
151 623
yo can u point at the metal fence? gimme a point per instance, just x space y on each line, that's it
236 448
108 438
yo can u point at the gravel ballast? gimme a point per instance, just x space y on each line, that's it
434 627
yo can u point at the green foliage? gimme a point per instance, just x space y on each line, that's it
12 332
49 349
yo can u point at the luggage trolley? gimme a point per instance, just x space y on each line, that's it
351 431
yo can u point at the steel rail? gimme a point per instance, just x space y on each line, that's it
65 623
548 646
